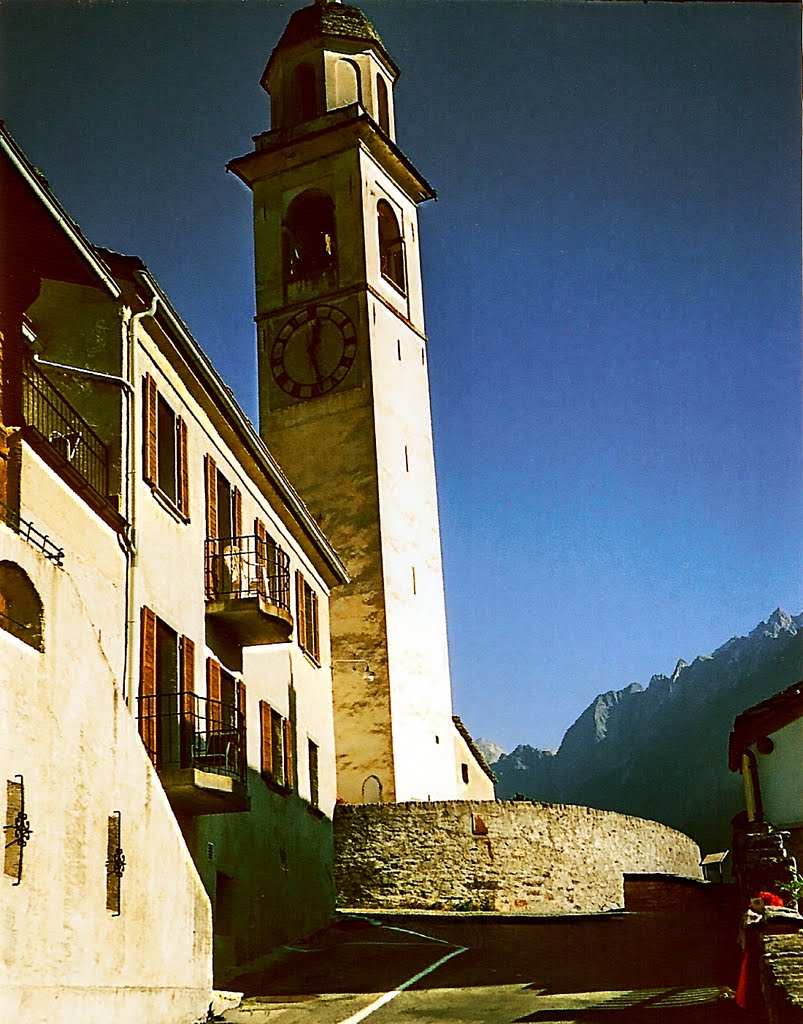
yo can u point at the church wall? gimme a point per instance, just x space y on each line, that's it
420 686
498 856
65 954
471 782
419 663
337 478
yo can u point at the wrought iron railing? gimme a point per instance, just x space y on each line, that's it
239 567
32 535
48 413
184 730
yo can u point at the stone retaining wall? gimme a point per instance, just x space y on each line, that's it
498 856
782 978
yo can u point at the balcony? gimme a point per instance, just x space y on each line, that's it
248 591
197 746
63 438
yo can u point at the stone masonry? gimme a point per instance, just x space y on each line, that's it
514 856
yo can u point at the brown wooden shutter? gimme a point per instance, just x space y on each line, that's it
316 651
242 695
183 467
187 686
261 538
112 877
237 511
261 534
288 753
301 611
214 715
265 738
13 851
147 682
283 571
210 484
149 446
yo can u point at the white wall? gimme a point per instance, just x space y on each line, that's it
67 731
781 776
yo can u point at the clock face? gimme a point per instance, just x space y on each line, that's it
313 352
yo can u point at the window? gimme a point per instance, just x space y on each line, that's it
273 567
313 777
276 735
222 742
307 618
391 246
464 772
306 92
166 690
224 527
115 865
382 104
312 753
309 235
21 611
223 917
164 458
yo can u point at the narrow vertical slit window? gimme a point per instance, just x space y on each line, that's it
115 865
312 753
414 583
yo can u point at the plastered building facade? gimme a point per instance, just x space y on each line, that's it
169 758
344 394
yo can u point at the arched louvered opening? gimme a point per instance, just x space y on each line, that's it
391 246
382 104
309 235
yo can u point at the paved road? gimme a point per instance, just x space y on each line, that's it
609 969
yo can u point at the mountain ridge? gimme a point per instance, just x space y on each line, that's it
660 751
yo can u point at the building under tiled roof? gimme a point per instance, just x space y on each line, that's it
764 718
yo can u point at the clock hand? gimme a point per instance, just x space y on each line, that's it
313 346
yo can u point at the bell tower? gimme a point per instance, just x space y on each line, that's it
344 392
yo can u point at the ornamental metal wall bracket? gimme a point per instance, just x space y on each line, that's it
20 828
115 865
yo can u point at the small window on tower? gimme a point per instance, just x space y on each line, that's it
306 92
309 235
391 246
383 106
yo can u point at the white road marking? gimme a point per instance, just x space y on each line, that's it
388 996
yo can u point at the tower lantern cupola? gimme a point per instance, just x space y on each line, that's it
329 57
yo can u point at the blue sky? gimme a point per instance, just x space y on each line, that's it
612 283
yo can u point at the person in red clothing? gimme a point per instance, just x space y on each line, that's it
748 988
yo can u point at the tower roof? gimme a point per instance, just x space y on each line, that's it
330 18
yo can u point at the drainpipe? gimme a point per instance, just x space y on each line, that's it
131 325
127 538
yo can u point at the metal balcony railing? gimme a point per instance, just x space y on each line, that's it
240 567
184 730
48 413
